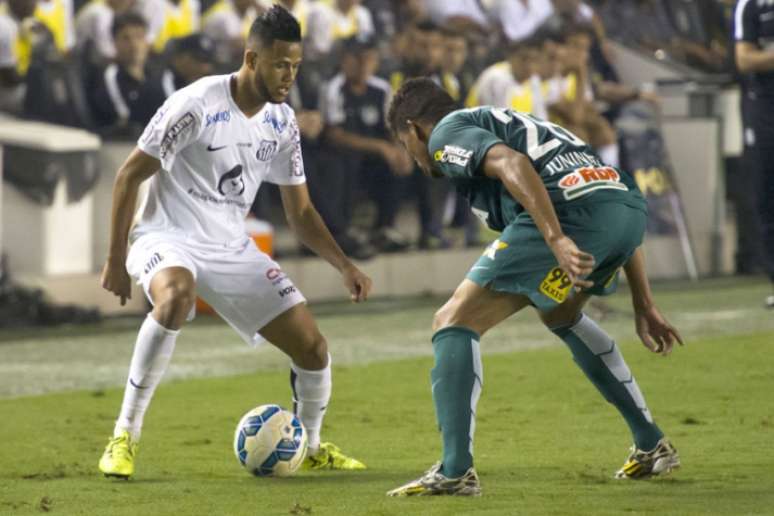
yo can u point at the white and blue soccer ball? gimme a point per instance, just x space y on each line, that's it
270 441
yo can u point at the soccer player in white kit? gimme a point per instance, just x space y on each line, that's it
206 152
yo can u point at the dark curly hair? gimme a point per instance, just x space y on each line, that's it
418 100
274 24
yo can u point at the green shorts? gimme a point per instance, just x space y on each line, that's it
520 261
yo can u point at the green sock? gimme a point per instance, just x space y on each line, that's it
598 356
456 379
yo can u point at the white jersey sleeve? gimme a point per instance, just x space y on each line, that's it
176 124
287 166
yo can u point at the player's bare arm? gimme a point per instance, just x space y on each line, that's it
310 228
137 168
522 181
750 58
653 329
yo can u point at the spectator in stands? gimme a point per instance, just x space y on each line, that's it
421 52
94 25
453 77
58 16
355 108
170 19
190 59
461 15
569 96
513 83
227 23
754 32
129 93
20 36
335 21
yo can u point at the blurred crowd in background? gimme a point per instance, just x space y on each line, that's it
107 65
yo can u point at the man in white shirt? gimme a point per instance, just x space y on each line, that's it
206 152
94 23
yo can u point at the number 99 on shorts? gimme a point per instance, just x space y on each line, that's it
556 285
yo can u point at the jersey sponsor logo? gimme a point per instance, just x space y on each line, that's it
586 180
491 251
556 285
151 264
266 150
231 183
220 116
206 197
286 291
276 123
173 134
244 144
213 149
276 276
454 155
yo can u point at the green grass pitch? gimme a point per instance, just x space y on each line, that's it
546 442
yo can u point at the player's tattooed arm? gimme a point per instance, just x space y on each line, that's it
137 168
307 224
653 329
522 181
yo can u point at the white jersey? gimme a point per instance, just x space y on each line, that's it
214 159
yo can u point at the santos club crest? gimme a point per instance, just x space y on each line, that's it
266 150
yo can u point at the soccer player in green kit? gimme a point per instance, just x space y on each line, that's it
550 196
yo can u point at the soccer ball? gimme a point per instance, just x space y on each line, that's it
270 441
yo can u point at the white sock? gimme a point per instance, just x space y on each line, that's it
152 353
610 155
311 393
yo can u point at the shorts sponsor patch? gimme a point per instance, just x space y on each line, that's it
173 134
454 155
586 180
556 285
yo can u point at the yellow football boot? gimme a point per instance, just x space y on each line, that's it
661 460
118 459
329 456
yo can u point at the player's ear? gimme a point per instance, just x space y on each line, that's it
251 59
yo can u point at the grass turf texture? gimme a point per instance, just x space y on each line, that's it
546 441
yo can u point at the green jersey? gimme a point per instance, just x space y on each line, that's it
569 168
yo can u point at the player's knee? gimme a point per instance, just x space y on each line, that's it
312 352
443 318
451 315
562 316
173 302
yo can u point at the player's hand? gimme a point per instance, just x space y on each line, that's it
358 284
654 331
115 279
574 262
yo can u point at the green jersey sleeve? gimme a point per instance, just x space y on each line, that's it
458 145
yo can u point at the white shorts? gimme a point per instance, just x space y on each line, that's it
243 285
